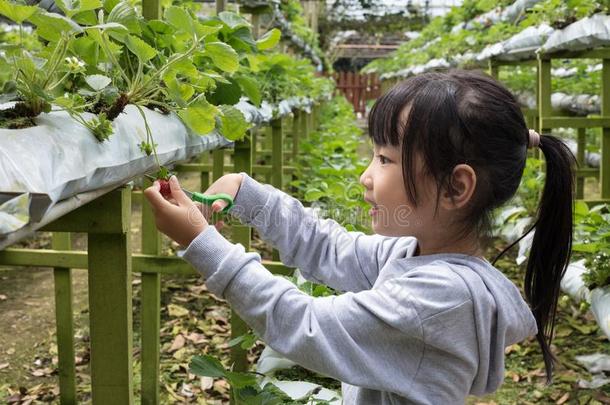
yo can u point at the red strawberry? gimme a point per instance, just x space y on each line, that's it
165 190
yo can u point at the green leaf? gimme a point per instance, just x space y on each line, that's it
242 40
141 49
313 194
200 117
72 7
269 40
50 26
97 82
206 366
233 125
180 19
160 27
85 18
185 68
241 380
87 49
250 89
110 4
180 92
226 93
204 31
223 56
16 12
233 20
126 15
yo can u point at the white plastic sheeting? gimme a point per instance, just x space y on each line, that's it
267 112
579 104
60 158
572 283
587 33
600 306
599 298
509 13
520 46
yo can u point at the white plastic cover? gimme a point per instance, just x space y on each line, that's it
587 33
572 283
600 306
60 158
581 104
518 47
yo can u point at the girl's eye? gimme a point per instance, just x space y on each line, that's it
383 160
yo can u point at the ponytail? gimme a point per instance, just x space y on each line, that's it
552 243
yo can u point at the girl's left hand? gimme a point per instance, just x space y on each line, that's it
179 218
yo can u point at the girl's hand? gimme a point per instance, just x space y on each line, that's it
179 217
228 184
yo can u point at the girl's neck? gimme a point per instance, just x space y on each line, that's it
465 248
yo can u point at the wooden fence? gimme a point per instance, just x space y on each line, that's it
358 88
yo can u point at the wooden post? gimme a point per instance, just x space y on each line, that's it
296 139
277 154
241 234
221 5
65 328
151 283
110 309
580 157
151 9
494 70
151 307
604 175
545 108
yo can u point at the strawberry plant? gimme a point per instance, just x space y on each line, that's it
592 242
101 56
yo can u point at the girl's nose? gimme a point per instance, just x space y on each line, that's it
366 180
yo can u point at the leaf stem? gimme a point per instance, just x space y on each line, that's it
149 136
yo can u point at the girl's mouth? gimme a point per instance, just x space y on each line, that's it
373 211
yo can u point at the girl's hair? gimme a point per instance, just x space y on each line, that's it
468 117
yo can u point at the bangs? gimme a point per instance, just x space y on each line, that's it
422 108
385 123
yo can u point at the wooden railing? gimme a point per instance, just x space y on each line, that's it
358 88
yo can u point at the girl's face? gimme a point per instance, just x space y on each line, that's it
392 214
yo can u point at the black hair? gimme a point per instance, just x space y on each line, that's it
468 117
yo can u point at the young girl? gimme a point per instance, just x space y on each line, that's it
424 317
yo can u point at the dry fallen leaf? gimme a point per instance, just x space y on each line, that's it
206 383
4 365
563 399
178 343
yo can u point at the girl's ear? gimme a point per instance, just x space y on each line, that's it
461 188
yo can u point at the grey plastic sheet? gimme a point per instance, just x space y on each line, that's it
60 158
579 104
518 47
584 34
258 116
509 13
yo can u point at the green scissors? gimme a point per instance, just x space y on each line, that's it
204 198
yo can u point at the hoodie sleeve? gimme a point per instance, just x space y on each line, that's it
323 250
372 338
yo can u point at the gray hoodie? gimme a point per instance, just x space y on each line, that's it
407 329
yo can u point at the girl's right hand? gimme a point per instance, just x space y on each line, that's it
228 184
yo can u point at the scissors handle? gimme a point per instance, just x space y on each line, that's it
208 199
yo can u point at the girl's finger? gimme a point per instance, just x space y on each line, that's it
219 205
153 194
177 192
